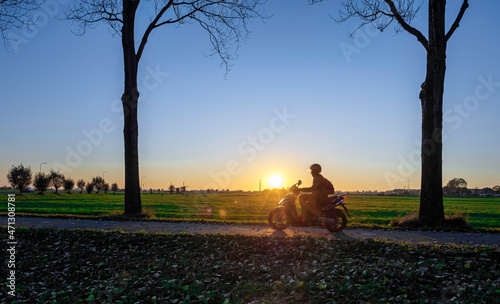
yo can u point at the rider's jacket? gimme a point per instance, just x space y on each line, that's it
320 188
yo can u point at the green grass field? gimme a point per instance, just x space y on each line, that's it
248 207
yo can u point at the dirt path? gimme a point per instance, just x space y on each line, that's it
195 228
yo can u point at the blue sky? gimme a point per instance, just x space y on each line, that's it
301 91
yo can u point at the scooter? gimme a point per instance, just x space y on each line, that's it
331 217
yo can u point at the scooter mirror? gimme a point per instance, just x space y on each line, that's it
299 183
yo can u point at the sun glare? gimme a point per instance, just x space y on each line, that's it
275 181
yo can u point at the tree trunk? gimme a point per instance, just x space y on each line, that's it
130 99
431 96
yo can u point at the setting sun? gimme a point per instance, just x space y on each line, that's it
275 181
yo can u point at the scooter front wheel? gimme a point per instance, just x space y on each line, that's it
278 219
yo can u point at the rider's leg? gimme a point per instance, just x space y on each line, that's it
305 204
316 204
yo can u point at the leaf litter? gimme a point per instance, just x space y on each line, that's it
82 266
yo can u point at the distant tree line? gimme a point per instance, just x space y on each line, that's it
20 177
458 187
172 189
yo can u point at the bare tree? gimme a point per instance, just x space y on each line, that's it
225 22
381 14
16 14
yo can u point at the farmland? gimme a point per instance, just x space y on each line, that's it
248 208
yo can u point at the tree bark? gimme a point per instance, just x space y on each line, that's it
431 96
130 100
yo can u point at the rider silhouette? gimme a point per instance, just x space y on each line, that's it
312 202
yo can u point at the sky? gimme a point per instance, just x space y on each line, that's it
301 91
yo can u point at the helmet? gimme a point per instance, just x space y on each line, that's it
315 168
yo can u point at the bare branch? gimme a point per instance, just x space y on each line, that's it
90 12
456 24
224 20
381 14
420 37
150 28
17 14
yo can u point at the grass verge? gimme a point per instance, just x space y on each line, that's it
62 266
452 222
376 212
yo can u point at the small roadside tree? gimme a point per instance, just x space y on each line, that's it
69 184
89 188
80 184
41 182
114 187
98 183
19 177
105 188
56 179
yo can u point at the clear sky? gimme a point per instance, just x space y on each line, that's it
301 92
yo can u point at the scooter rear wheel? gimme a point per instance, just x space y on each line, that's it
278 219
336 222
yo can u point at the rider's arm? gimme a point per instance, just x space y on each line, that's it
314 186
309 189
